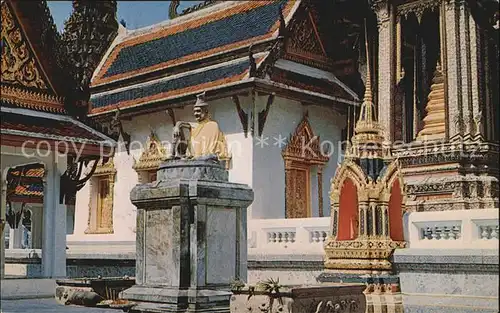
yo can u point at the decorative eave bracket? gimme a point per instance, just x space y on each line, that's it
242 115
117 127
71 182
263 114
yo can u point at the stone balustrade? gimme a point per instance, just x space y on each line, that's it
283 236
453 229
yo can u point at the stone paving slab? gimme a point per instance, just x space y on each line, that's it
47 306
32 288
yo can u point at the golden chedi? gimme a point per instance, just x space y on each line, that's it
435 118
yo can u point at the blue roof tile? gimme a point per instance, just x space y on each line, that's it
100 101
231 29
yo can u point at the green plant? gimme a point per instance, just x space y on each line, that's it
237 284
273 288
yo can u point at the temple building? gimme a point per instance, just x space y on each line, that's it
368 131
277 92
46 138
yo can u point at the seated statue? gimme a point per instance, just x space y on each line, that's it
204 139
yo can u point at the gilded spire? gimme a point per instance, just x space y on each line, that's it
367 121
367 139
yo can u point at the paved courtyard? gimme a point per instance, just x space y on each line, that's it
46 306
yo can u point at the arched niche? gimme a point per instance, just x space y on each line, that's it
395 212
348 221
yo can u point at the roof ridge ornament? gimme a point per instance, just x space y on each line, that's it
174 5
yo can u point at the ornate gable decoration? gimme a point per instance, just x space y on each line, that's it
19 66
152 156
304 44
107 168
304 146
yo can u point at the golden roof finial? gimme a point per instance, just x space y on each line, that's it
367 120
367 139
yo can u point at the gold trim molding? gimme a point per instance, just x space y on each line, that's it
298 163
108 172
32 100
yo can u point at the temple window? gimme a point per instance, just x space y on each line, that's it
150 159
303 173
419 104
102 183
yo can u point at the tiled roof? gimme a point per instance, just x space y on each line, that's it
32 172
44 126
31 190
25 183
170 87
233 27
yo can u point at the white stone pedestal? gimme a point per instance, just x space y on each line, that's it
191 238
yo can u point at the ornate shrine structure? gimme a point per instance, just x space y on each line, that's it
438 199
438 101
367 200
268 71
46 138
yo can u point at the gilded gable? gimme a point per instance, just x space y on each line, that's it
19 66
304 44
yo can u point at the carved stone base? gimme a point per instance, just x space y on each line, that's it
360 256
457 175
382 292
451 192
193 170
342 298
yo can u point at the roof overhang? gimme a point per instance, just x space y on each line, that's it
235 88
60 133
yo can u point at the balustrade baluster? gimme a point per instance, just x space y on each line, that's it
445 233
323 236
272 237
494 233
456 230
435 234
452 234
485 232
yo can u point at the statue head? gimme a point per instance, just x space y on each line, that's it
200 109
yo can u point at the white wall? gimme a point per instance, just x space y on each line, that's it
269 168
260 168
124 212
